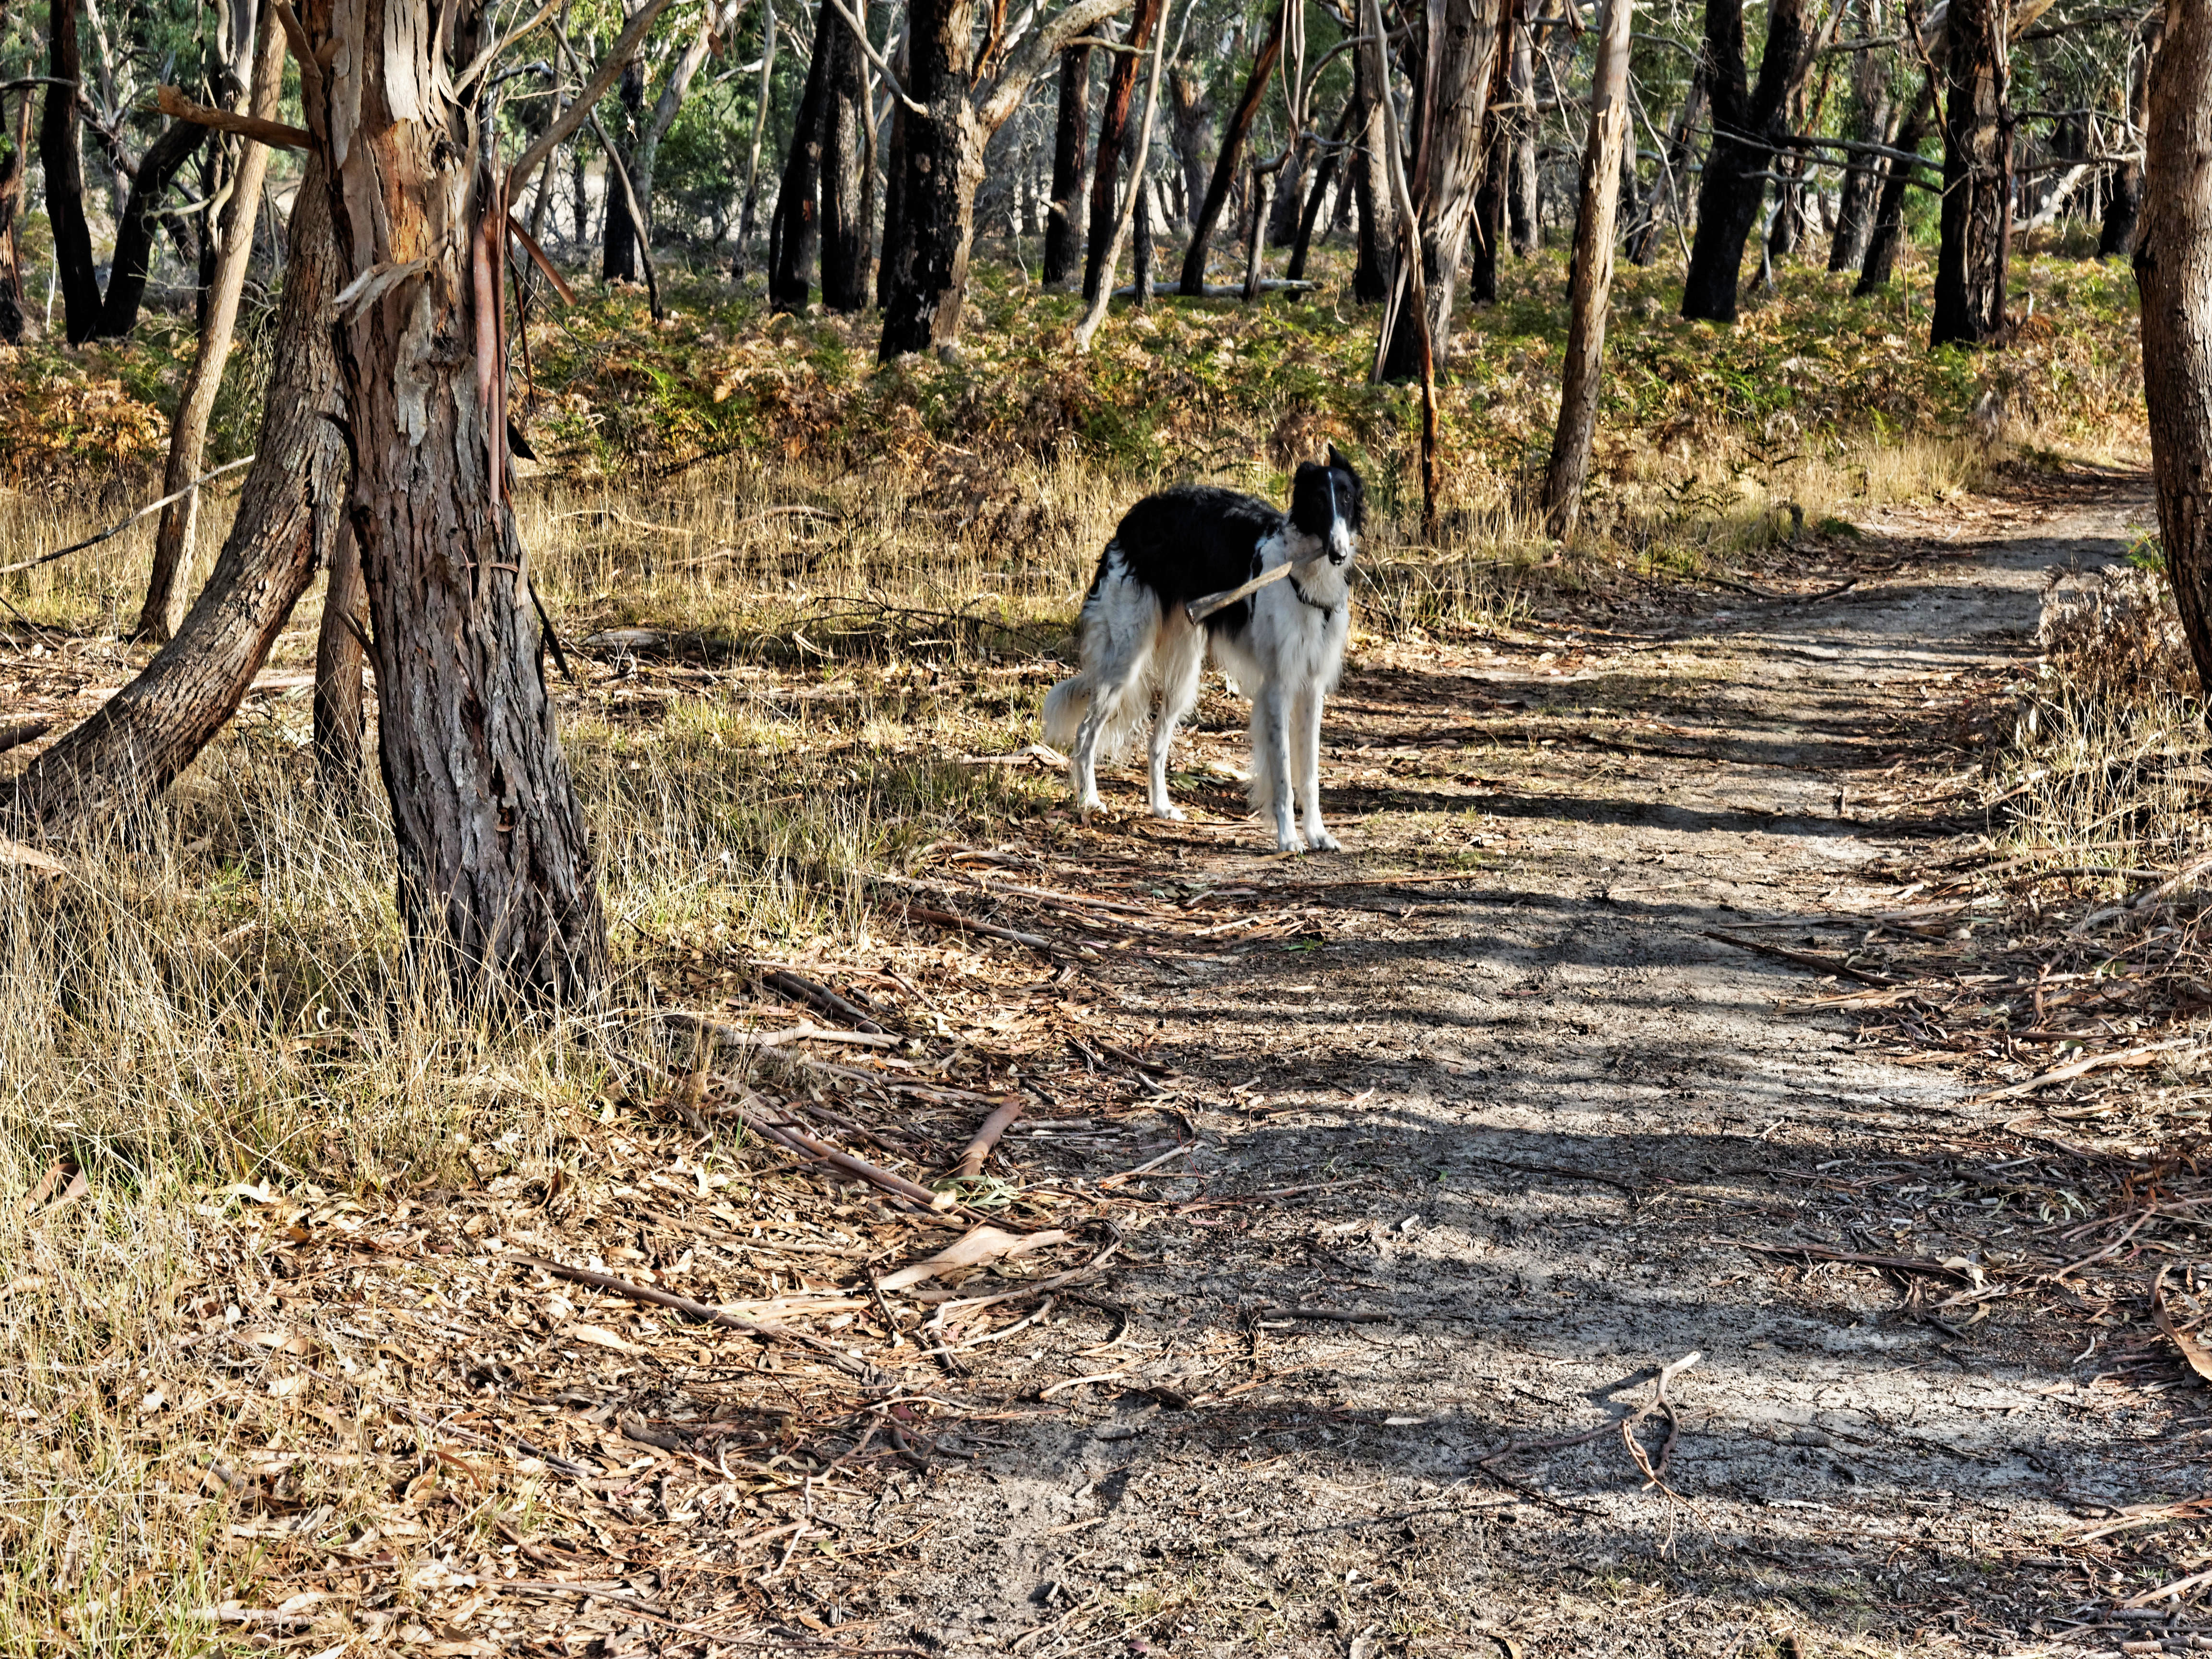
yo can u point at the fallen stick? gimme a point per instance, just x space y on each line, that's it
1823 1253
820 997
987 1137
735 1038
797 1140
990 929
699 1310
1199 609
2130 1057
1803 958
1339 1316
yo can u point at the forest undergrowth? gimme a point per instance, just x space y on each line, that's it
808 609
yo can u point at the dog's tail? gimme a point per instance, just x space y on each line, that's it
1064 706
1067 703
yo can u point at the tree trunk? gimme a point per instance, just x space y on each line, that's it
1524 229
1262 197
1140 244
1887 234
166 592
894 233
844 182
495 880
2116 236
340 706
1674 180
64 174
1371 187
1488 227
134 235
115 763
1869 122
1591 286
927 266
1317 197
1788 228
1070 136
619 231
1208 217
1970 266
1190 121
1113 134
747 215
795 225
12 176
2173 277
1746 122
944 163
1446 170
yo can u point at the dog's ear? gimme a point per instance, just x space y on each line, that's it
1337 460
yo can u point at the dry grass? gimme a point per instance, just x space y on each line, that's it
790 674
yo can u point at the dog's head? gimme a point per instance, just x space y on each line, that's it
1327 503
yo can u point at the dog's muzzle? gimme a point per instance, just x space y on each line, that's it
1340 543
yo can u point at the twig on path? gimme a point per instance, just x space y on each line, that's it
1802 959
1655 1475
1340 1316
2129 1057
797 1140
987 1137
699 1310
989 930
2192 1350
820 997
1824 1253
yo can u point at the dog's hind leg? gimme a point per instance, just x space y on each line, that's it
1180 660
1271 762
1305 760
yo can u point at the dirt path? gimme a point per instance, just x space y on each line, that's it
1542 1102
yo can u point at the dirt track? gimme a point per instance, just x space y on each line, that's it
1547 1101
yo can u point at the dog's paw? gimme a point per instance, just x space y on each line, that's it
1321 841
1171 812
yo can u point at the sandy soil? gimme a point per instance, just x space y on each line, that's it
1547 1113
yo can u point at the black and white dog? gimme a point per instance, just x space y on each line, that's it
1284 645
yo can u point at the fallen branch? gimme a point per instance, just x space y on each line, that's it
1802 959
1336 1315
793 1139
23 732
1964 1274
987 1137
699 1310
989 930
820 996
2125 1057
115 530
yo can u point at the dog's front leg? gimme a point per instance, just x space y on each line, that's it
1271 762
1306 750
